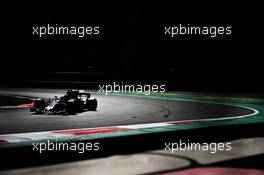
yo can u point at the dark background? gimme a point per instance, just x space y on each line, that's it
132 46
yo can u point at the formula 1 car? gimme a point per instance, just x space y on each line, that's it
72 102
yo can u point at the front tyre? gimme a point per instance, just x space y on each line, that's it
38 106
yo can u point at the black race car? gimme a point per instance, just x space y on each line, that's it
72 102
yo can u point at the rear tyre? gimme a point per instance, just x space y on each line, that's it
91 104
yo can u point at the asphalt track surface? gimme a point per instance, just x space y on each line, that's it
112 111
